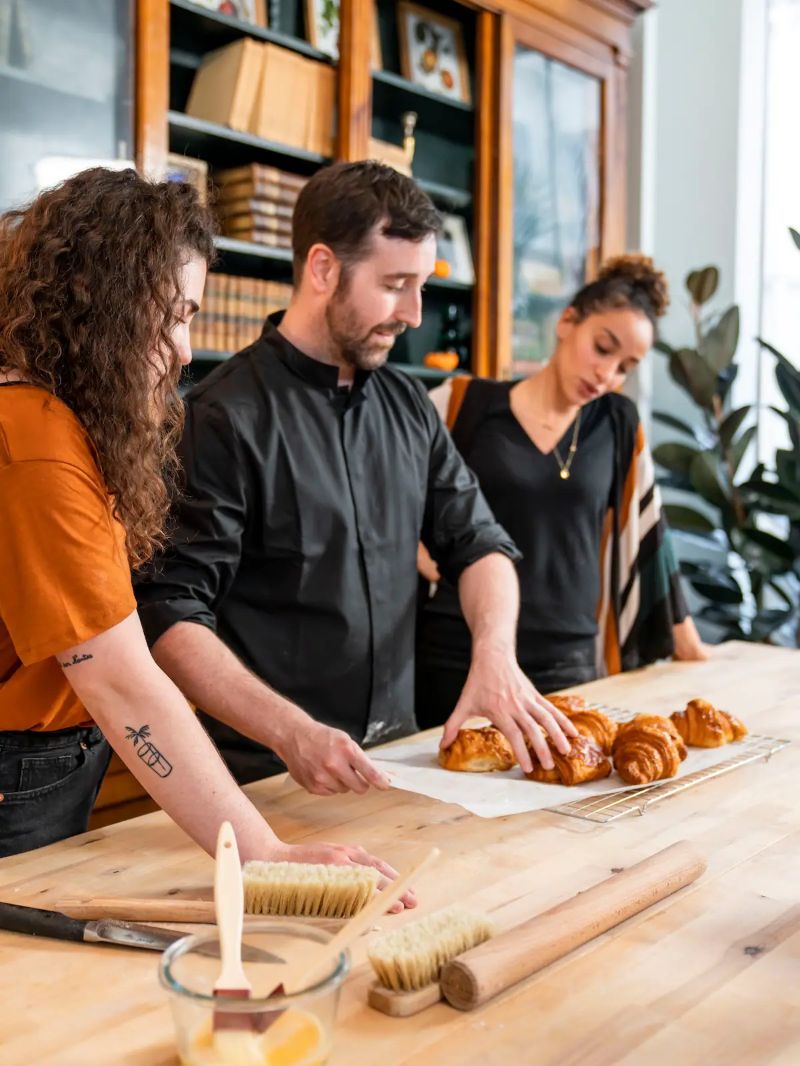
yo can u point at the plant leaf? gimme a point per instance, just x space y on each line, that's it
676 456
766 622
687 519
778 553
702 284
725 379
740 447
705 477
729 426
663 347
795 236
718 347
717 591
693 375
675 423
772 497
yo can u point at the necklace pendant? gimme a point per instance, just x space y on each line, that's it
564 474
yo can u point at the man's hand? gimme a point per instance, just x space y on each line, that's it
497 689
326 761
344 855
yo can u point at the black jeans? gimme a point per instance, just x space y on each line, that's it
48 785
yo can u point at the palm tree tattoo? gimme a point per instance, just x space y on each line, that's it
148 752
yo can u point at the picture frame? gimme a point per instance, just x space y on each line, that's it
432 52
252 11
453 246
322 29
193 171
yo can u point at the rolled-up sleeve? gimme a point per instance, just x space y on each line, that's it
459 527
192 575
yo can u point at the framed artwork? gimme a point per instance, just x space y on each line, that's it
432 52
453 246
322 28
254 11
193 171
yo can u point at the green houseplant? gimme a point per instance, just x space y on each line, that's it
748 577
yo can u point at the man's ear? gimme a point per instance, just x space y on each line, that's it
322 270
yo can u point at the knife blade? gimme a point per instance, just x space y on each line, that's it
35 921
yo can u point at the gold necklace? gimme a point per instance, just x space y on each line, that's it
564 467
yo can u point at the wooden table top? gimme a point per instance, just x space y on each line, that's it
710 975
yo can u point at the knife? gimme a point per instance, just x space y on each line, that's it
37 922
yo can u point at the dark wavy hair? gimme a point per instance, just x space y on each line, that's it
626 281
89 292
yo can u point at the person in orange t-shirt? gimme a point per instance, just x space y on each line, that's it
99 280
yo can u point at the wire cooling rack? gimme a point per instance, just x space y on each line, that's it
614 805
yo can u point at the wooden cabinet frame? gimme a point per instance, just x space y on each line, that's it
591 35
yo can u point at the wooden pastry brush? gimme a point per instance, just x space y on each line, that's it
307 890
409 962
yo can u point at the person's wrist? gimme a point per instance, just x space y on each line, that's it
493 647
286 721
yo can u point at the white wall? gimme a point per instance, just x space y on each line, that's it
695 135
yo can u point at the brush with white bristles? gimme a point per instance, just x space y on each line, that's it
307 889
409 961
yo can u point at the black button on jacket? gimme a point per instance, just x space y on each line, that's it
297 535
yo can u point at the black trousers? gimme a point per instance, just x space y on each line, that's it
438 687
48 785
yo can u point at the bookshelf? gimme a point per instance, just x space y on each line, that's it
467 149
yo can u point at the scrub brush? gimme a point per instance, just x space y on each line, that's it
306 889
412 957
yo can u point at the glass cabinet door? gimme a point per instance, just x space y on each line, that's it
65 89
556 125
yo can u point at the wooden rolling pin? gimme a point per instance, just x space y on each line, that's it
476 976
182 910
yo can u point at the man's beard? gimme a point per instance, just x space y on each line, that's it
358 349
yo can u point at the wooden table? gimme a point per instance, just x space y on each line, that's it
711 975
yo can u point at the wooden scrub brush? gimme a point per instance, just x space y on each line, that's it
307 890
408 962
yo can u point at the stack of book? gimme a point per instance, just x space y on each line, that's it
233 311
255 203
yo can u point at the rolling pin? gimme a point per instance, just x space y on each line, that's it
180 909
483 972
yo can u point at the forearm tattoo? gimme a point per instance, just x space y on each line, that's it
148 752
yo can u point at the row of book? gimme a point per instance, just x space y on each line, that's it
269 91
233 311
256 203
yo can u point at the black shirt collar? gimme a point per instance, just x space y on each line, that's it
312 371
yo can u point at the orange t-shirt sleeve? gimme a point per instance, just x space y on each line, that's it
65 574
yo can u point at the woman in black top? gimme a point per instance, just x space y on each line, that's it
561 458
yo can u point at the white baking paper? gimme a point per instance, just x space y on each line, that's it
413 767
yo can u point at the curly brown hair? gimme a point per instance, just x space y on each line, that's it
89 293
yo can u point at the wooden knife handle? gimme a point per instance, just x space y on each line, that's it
484 971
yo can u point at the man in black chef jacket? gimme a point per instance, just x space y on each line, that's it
284 604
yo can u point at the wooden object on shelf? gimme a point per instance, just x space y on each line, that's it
225 87
192 171
254 174
322 97
391 154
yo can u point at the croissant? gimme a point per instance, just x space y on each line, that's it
595 725
648 748
478 751
585 762
704 726
568 703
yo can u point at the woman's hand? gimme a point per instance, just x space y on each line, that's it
344 855
688 645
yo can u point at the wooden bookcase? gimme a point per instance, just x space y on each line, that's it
465 156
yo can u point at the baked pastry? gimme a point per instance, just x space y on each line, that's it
648 748
584 762
478 751
702 725
567 702
596 726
